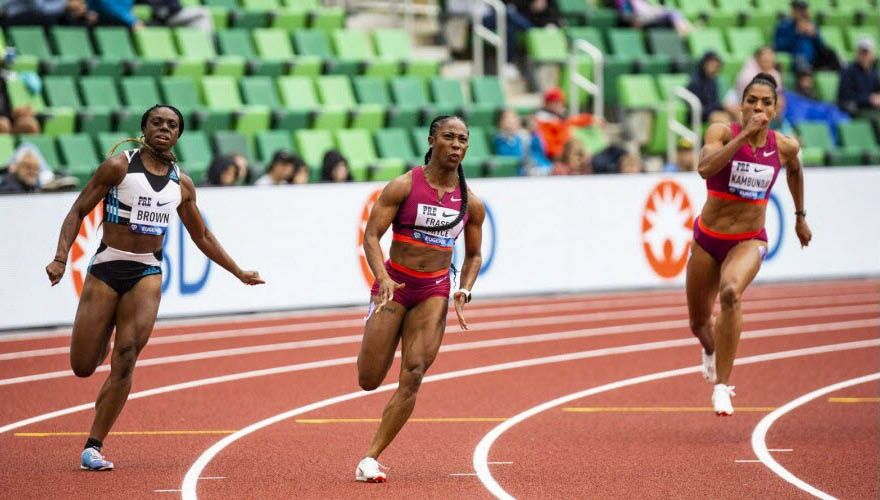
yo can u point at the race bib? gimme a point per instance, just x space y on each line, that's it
150 215
750 180
432 215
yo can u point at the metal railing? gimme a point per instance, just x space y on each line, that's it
675 128
577 81
481 34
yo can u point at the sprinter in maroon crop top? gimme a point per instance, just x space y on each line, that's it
429 207
740 165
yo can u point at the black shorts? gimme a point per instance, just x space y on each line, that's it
122 270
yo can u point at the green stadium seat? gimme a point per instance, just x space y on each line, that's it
221 95
195 45
394 143
194 152
826 85
704 9
393 44
357 146
316 43
743 42
117 54
299 95
312 144
706 39
410 91
816 139
477 162
108 140
355 45
79 156
667 41
575 12
638 92
449 95
227 142
72 44
275 45
833 37
488 90
139 94
336 93
290 19
262 91
629 45
183 92
62 97
828 14
31 42
592 138
99 94
546 45
374 90
856 33
7 148
45 144
328 19
238 43
270 141
858 135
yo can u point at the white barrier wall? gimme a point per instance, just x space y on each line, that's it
542 235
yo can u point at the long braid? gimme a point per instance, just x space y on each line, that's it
462 183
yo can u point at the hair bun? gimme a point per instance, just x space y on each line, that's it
766 77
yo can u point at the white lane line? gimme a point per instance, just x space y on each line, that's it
545 305
481 453
350 339
759 435
769 332
758 305
189 481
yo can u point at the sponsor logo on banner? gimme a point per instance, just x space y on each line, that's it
667 228
84 247
362 226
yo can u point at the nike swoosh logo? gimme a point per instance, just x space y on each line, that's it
759 170
452 198
158 204
440 280
768 153
448 215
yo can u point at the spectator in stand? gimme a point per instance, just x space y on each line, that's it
554 125
116 13
224 171
648 14
802 104
335 168
538 12
763 61
805 84
515 141
45 13
172 14
630 163
799 36
280 170
575 159
301 173
23 175
684 157
704 84
859 90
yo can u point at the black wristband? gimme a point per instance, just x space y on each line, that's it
802 213
59 260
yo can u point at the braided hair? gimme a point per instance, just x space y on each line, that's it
168 157
435 124
762 79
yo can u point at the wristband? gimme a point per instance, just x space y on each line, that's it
466 293
60 261
802 213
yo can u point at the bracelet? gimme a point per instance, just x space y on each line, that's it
60 261
801 213
466 292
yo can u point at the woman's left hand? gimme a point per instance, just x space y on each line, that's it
803 231
459 300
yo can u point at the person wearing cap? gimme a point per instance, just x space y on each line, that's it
554 125
859 90
799 36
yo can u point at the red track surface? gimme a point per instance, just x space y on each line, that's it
555 454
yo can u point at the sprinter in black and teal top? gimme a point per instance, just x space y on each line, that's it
141 189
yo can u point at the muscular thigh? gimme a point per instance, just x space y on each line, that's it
137 312
423 329
381 335
95 318
742 264
703 274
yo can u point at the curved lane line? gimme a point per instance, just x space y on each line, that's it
192 475
481 452
769 332
759 436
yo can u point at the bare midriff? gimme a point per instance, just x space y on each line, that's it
420 258
120 237
732 216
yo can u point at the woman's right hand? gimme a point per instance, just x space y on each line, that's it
55 270
757 122
387 287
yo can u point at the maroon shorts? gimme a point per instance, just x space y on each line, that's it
419 286
718 245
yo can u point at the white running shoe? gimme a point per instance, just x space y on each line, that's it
721 400
369 470
708 366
